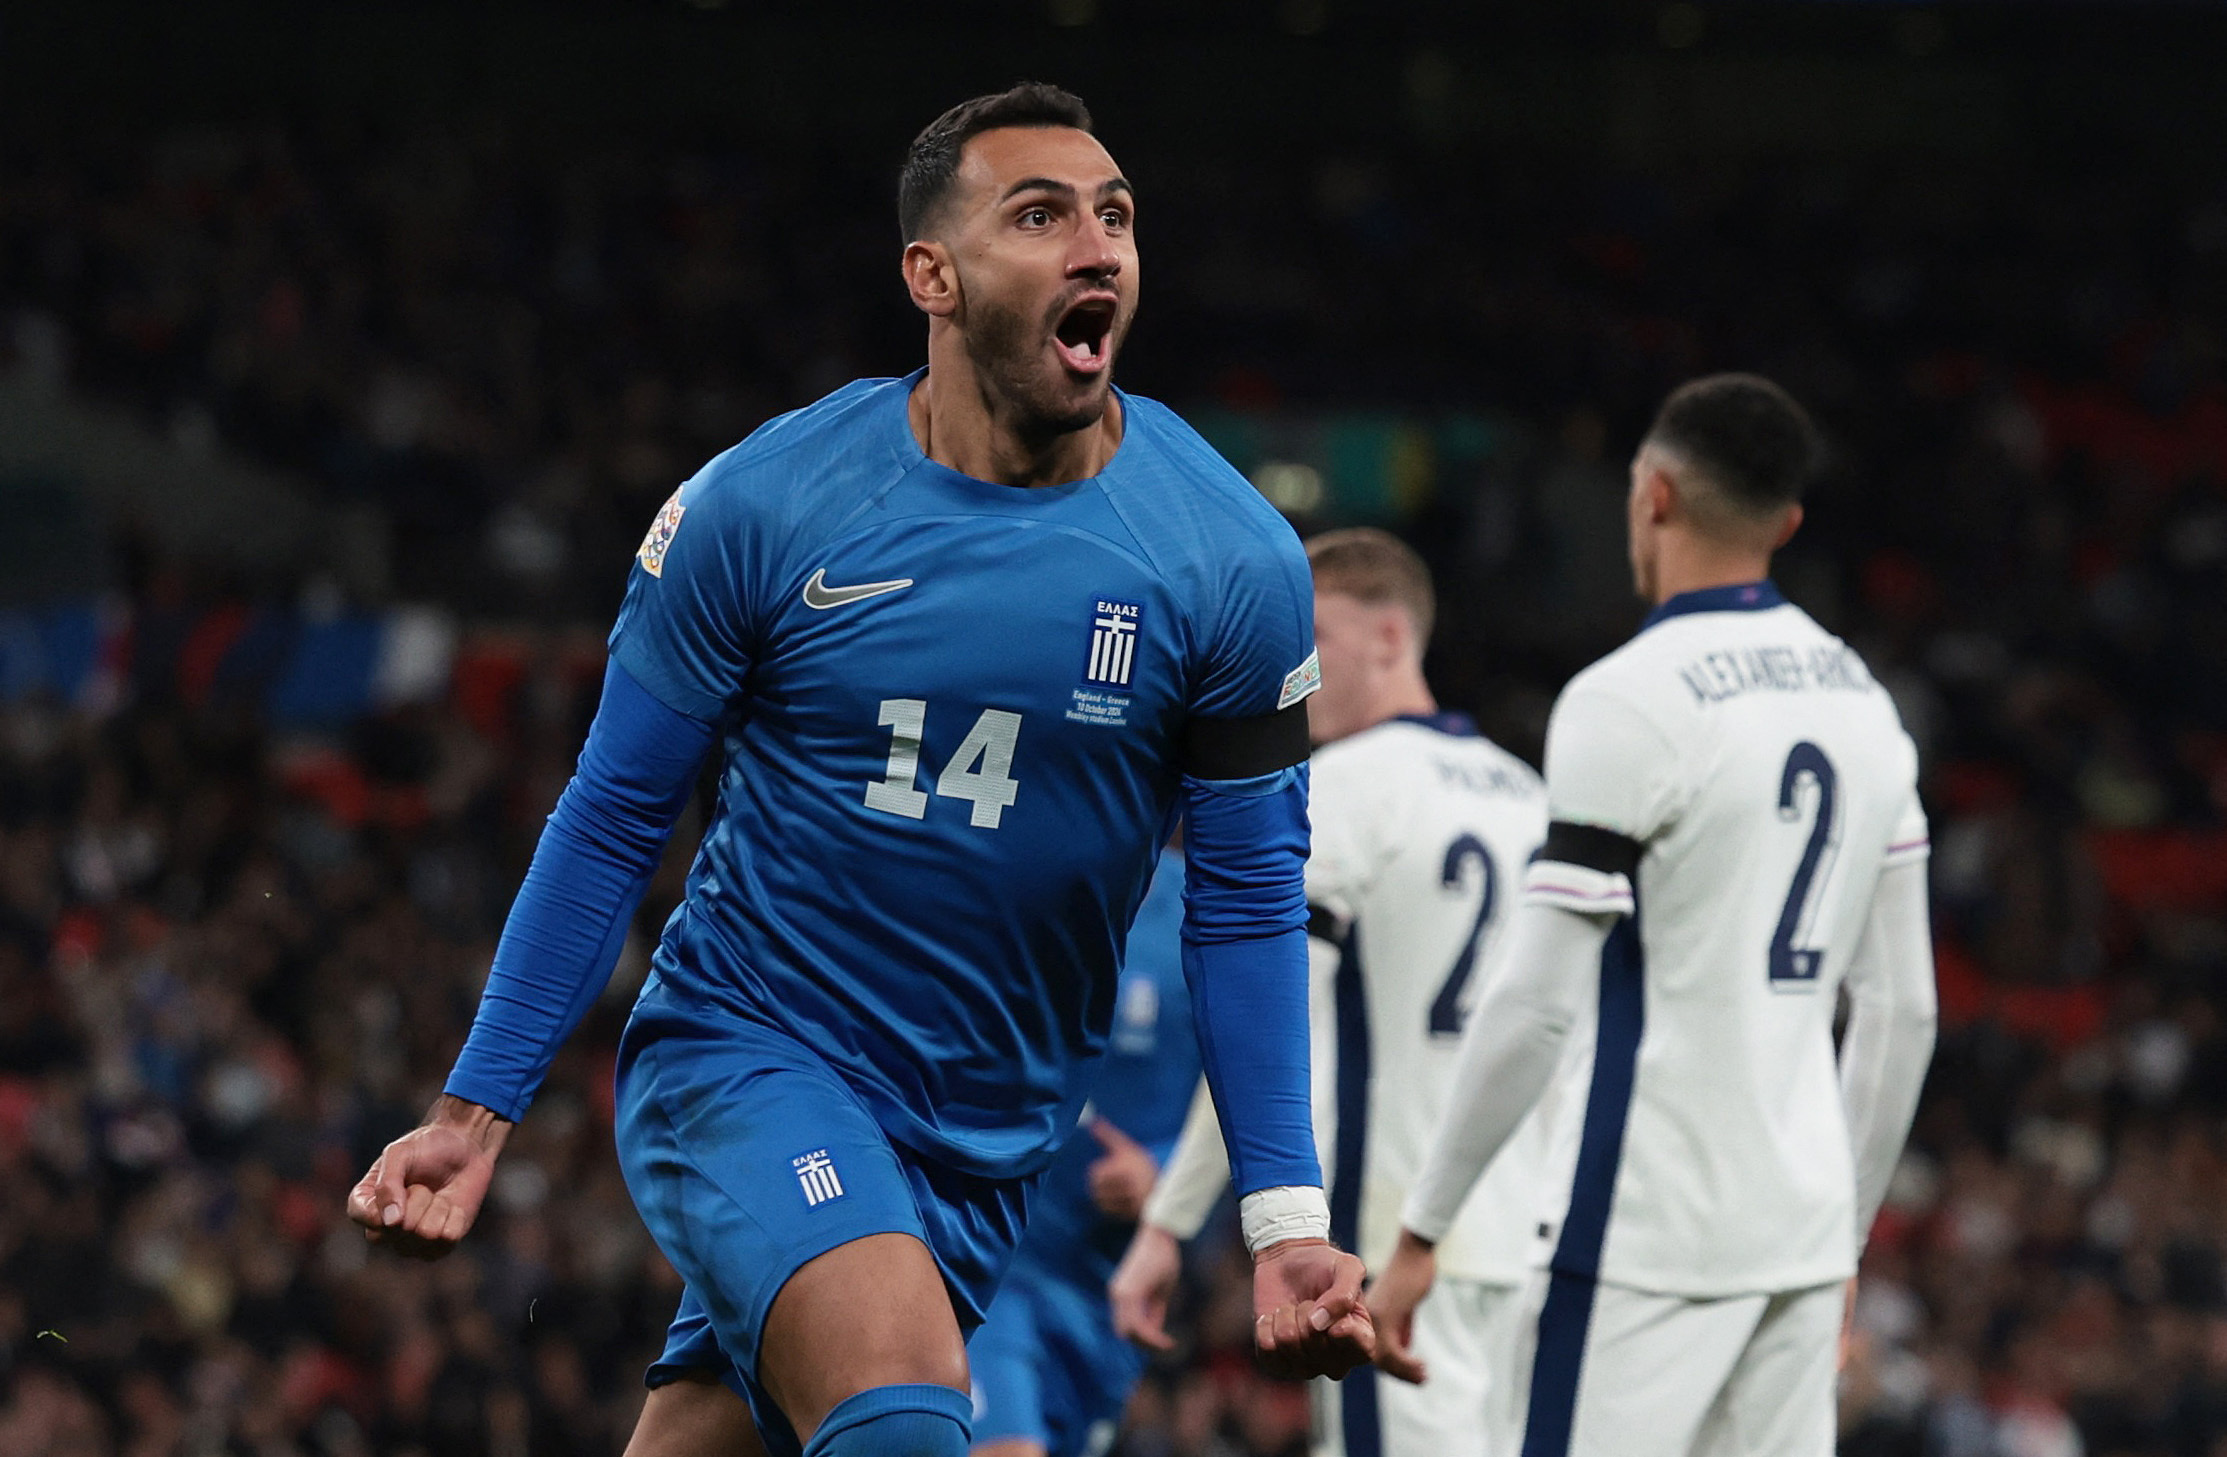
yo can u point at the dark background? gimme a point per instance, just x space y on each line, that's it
347 350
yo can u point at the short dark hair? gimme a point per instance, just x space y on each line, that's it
932 163
1744 434
1378 568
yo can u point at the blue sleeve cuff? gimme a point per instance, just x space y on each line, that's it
596 856
1245 956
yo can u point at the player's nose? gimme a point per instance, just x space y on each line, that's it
1092 254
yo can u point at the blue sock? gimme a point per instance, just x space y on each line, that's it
897 1421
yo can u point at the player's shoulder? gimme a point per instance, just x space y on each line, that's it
795 462
1168 444
1632 695
1624 675
1193 496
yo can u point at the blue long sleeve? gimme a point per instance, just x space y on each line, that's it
1245 956
596 856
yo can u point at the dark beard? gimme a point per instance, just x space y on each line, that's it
1004 348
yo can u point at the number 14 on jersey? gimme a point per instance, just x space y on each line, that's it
981 771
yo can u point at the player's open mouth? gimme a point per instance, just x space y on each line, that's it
1083 335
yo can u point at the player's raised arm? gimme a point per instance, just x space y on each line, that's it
595 859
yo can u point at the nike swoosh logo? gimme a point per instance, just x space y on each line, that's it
819 596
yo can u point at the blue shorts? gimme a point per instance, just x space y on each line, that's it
748 1157
1048 1367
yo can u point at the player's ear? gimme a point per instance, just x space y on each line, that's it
1395 635
1660 495
930 278
1788 525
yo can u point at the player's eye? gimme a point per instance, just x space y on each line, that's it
1036 217
1114 219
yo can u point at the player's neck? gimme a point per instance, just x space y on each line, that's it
1696 566
1406 697
1402 695
961 425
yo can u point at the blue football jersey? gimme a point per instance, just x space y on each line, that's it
952 712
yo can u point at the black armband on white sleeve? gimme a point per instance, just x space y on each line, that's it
1584 868
1590 846
1245 748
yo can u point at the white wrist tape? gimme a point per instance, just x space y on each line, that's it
1286 1212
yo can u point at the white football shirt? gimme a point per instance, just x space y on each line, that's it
1422 830
1767 781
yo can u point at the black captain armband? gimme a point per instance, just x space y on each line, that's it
1245 748
1590 846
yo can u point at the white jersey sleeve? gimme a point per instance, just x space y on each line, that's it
1889 1040
1913 841
1197 1171
1508 1056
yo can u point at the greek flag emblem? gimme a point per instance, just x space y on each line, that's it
1113 643
815 1173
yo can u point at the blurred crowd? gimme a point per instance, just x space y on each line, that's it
223 987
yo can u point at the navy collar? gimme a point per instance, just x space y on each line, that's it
1739 597
1446 721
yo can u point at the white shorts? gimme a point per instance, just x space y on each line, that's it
1469 1335
1622 1373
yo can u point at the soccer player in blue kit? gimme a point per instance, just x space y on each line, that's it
967 643
1051 1374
